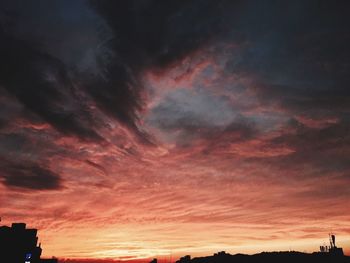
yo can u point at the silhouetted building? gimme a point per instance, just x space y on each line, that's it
18 244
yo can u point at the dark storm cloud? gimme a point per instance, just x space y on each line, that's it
143 35
156 33
35 89
147 35
28 176
22 156
41 83
296 55
64 29
297 51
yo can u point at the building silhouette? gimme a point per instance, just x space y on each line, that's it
19 244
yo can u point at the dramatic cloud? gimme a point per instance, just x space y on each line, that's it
29 176
41 83
135 129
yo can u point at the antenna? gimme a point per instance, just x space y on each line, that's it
330 240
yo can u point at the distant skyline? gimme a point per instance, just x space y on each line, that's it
149 128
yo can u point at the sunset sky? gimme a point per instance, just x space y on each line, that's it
136 129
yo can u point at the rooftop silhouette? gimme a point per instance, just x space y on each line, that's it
331 254
269 257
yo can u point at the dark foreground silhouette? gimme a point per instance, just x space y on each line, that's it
269 257
19 244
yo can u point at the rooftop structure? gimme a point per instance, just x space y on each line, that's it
332 248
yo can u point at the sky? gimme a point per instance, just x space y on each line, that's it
158 128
